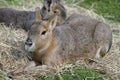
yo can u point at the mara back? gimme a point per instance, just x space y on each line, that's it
84 37
79 37
17 18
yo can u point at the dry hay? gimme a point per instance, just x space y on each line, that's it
13 55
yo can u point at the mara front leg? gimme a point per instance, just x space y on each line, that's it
29 68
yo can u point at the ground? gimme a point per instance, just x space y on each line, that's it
13 55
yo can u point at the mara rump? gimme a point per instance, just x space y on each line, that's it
25 19
79 37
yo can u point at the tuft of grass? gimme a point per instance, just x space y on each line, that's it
76 73
3 76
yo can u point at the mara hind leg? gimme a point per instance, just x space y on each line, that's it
103 39
101 52
96 56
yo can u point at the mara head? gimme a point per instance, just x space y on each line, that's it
50 7
40 34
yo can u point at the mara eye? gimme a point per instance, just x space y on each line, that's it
43 33
55 11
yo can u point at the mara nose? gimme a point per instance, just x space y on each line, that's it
28 42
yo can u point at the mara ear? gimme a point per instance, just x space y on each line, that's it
52 21
38 16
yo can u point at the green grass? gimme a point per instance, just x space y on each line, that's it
109 9
3 76
76 74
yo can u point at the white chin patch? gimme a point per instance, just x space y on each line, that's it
30 48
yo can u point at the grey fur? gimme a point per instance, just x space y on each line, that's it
79 37
16 18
